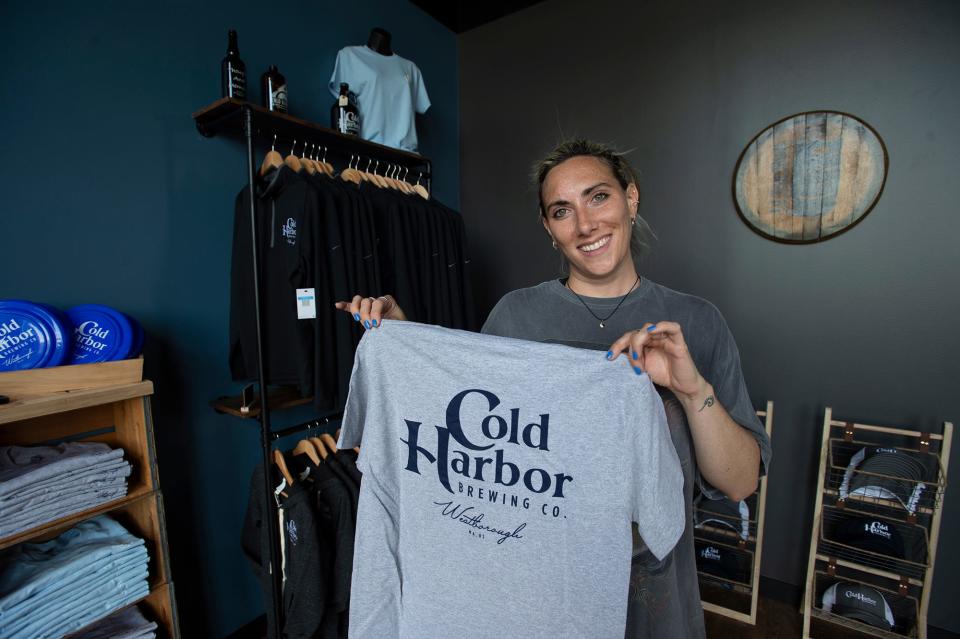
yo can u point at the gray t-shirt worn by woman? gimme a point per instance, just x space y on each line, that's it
664 598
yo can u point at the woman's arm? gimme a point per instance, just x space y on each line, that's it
727 454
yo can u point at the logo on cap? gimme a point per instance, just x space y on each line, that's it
877 528
851 594
710 553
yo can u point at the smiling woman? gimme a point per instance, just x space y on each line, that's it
589 203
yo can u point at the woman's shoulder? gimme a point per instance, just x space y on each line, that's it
519 307
528 294
686 305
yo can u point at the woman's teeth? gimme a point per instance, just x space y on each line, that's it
593 247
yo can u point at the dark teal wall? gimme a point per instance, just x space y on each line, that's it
111 196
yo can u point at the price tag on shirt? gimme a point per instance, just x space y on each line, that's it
306 304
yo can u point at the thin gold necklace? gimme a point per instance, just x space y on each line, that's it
617 308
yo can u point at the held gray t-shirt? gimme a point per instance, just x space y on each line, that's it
664 594
500 480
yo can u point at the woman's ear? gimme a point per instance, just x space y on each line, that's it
633 196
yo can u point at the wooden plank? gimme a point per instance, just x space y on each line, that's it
131 434
808 595
161 607
764 155
70 400
784 141
44 381
69 425
935 531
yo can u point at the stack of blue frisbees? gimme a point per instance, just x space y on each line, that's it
56 587
39 336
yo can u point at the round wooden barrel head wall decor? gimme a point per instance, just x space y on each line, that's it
810 176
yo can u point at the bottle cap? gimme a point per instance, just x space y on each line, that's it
101 334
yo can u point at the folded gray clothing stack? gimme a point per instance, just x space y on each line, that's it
56 587
126 624
41 483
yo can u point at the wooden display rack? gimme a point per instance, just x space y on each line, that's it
104 403
906 583
752 547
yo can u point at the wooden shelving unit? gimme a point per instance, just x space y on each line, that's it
107 403
738 599
905 582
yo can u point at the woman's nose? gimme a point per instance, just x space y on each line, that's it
586 222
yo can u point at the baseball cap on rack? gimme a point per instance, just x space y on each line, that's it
872 534
860 602
885 473
717 560
734 515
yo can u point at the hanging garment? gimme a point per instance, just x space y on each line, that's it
500 480
340 239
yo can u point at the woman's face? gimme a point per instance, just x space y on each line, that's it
588 215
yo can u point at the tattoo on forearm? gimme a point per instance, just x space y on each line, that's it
709 401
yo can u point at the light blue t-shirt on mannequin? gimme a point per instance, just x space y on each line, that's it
389 90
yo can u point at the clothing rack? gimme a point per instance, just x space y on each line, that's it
232 116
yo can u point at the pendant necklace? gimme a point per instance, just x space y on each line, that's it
602 320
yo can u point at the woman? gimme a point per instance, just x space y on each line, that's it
589 204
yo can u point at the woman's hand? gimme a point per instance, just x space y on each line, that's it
660 351
371 311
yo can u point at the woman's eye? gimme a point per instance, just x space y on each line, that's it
558 213
600 197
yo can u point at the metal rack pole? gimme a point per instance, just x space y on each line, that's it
275 564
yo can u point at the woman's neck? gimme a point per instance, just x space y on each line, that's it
615 285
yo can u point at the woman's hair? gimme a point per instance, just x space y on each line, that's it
641 234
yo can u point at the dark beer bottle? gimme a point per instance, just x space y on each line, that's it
233 72
274 88
344 116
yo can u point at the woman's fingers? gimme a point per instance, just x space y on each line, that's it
371 311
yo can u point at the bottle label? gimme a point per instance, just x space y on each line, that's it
349 122
278 99
238 83
342 101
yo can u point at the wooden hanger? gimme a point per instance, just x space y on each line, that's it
272 160
292 160
281 463
326 166
404 185
321 449
304 447
307 163
350 174
420 189
328 440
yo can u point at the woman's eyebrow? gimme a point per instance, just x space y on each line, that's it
585 192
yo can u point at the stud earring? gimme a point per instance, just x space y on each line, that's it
554 245
633 221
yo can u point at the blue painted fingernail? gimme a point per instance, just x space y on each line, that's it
356 317
609 354
651 328
374 322
366 323
636 355
637 370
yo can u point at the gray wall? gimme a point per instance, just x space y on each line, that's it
865 322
